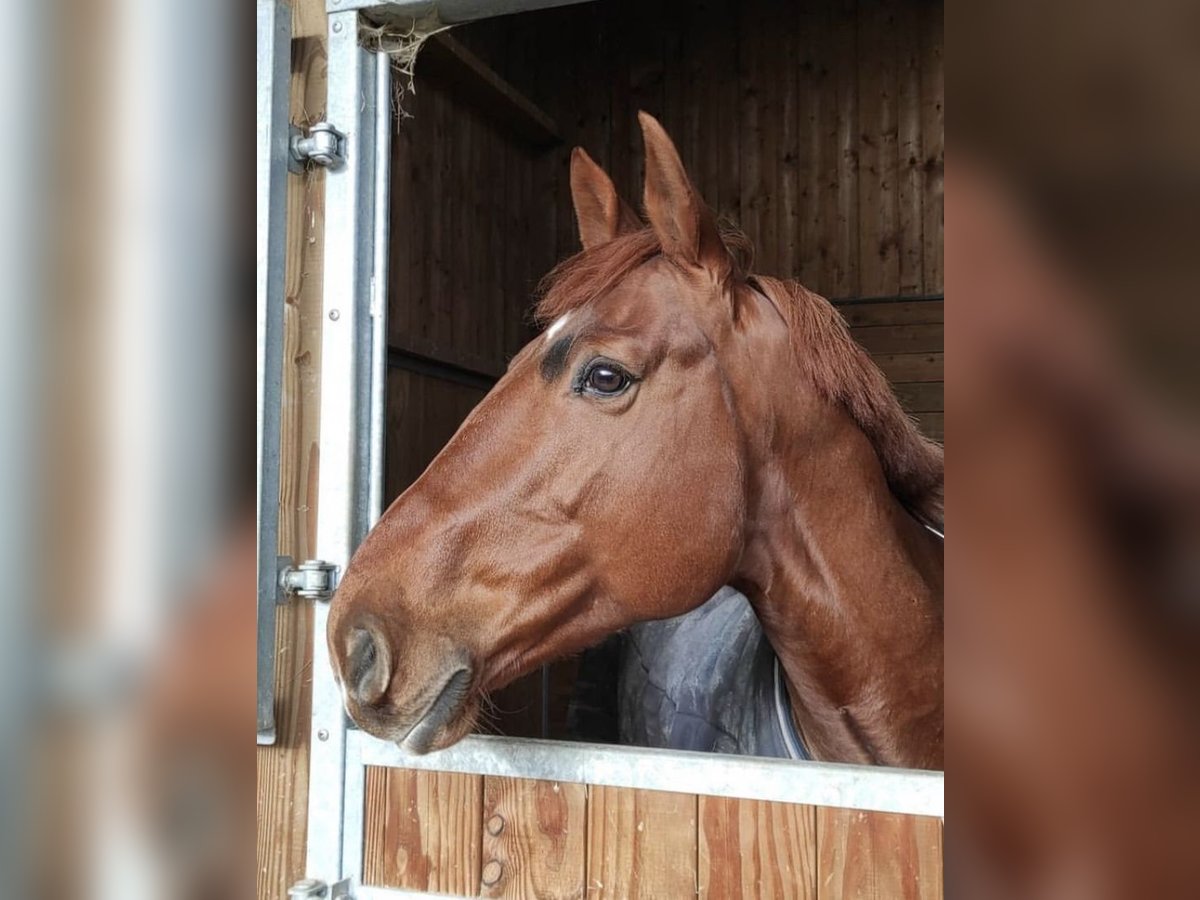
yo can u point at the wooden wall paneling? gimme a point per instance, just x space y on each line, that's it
623 126
932 144
641 844
905 312
867 855
900 367
921 396
673 25
910 171
728 96
492 342
645 71
753 848
787 197
282 769
752 131
473 255
532 205
900 339
441 220
701 91
841 217
534 839
423 831
878 261
401 226
819 150
933 424
414 218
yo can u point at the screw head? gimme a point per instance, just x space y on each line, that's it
322 735
334 315
337 27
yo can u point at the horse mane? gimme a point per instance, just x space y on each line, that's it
840 370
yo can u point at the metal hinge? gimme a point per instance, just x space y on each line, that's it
324 146
313 579
315 889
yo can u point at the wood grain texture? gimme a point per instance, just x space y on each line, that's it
282 785
641 844
933 92
752 848
423 830
907 312
900 338
534 839
924 397
878 256
899 367
867 855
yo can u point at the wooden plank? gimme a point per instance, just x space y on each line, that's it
900 338
904 312
641 844
865 855
841 278
921 397
932 145
752 131
753 848
623 127
534 839
447 61
729 195
423 831
818 147
282 769
910 173
933 424
878 260
788 208
705 33
900 367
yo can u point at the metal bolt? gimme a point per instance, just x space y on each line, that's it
337 27
495 825
308 889
322 735
334 315
492 872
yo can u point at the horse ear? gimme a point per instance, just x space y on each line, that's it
682 220
601 214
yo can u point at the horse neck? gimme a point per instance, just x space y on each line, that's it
848 588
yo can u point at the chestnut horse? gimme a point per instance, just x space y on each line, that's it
681 425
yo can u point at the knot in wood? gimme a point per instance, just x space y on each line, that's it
495 825
492 872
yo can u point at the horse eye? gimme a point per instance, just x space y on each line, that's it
606 380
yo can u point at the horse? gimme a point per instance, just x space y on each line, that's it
681 424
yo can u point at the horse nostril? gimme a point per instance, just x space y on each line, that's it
368 665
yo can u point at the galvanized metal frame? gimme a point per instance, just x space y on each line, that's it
274 44
352 314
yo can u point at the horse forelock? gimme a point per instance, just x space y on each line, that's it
840 370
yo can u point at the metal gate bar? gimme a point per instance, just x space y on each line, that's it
345 497
274 47
874 788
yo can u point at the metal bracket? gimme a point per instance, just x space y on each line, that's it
313 579
315 889
324 146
